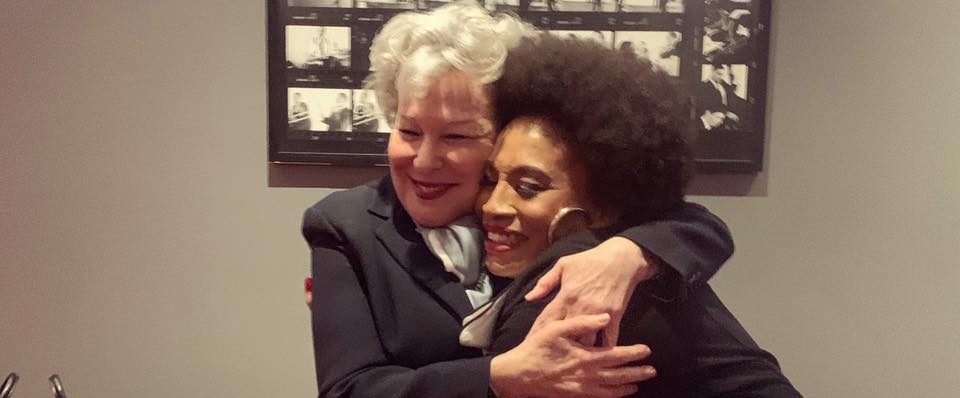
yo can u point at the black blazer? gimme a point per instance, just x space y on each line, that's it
698 348
386 316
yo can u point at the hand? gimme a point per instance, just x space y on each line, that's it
308 290
551 363
712 120
597 281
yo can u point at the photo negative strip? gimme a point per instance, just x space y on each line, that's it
320 3
639 5
319 58
604 37
318 109
660 48
431 4
367 116
312 49
729 31
573 5
387 4
722 98
502 5
671 6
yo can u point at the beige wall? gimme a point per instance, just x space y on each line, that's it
142 253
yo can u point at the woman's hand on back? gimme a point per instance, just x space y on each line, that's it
596 281
551 362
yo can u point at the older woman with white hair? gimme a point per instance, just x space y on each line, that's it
397 263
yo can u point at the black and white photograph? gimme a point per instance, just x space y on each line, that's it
604 37
319 61
728 32
671 6
319 109
431 4
660 48
639 5
722 102
573 5
320 3
318 48
367 116
394 4
502 5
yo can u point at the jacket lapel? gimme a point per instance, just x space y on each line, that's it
398 235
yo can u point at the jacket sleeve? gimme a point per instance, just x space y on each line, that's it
350 360
691 241
726 361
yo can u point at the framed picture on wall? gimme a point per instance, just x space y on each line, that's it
716 50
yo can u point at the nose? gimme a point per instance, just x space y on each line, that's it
498 205
429 155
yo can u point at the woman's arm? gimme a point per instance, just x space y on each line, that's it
349 356
351 360
684 249
700 349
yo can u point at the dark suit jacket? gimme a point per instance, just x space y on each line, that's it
698 347
386 316
711 99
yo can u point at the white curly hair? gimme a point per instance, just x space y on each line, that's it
415 47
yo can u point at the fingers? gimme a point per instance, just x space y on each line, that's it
546 284
612 357
611 333
554 311
626 375
589 340
308 291
579 325
610 391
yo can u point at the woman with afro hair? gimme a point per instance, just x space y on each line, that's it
591 142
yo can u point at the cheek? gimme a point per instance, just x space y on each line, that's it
540 214
398 151
482 198
470 160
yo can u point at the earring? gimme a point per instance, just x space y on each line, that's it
567 221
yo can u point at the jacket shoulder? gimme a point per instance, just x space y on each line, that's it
348 208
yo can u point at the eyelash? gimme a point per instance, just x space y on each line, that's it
526 190
411 134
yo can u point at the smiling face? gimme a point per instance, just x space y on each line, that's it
530 177
438 148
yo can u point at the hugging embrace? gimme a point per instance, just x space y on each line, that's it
531 239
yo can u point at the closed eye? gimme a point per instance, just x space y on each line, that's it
458 137
529 190
409 134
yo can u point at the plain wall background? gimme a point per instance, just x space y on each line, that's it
142 253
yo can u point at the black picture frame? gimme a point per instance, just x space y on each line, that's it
717 51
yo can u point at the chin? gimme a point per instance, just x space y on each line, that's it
510 269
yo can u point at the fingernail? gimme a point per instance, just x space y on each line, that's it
649 371
308 284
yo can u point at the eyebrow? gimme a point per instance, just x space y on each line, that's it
453 123
472 126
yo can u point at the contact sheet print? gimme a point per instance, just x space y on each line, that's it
716 50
